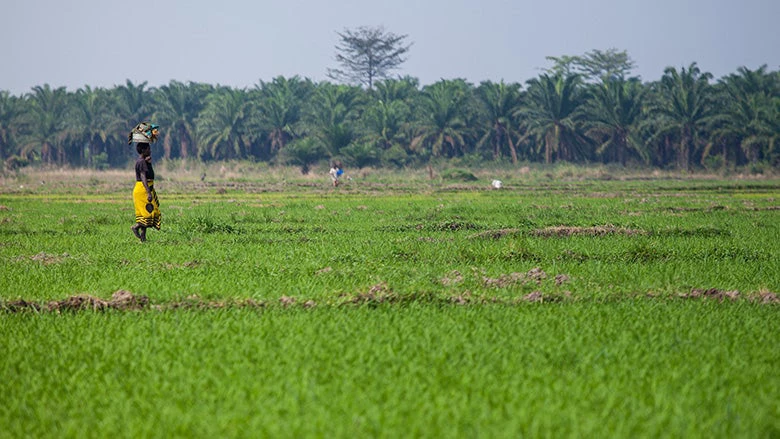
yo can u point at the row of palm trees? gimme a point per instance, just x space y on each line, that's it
683 120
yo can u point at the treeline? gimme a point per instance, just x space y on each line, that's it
684 120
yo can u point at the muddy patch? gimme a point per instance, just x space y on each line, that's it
375 295
763 296
698 232
185 265
710 293
675 209
566 231
452 278
47 258
535 275
496 234
122 300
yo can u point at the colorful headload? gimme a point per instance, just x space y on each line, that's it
144 132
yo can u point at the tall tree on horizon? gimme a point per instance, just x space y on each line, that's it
368 53
594 66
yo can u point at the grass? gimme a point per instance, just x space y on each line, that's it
580 306
618 369
320 245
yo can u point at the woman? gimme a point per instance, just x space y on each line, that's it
147 206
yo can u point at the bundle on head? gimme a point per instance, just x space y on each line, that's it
144 132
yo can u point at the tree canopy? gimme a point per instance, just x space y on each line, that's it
586 109
366 54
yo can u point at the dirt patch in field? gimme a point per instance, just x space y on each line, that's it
565 231
763 296
48 258
675 209
767 297
452 278
535 275
122 300
380 293
188 264
194 302
496 234
710 293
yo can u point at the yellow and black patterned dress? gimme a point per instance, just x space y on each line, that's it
146 213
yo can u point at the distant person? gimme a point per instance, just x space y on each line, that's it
147 206
335 173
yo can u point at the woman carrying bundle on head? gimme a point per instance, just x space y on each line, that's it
147 206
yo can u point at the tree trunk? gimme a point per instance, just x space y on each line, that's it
167 147
685 153
512 149
184 153
496 141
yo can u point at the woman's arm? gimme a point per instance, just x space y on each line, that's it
146 186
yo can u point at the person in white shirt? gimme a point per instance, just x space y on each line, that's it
335 173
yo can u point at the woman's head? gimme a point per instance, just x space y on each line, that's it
143 148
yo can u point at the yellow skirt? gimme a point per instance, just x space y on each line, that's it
147 214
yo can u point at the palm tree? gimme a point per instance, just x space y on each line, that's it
549 114
441 127
499 103
280 105
130 103
303 152
133 103
384 122
747 114
95 125
611 116
47 122
176 107
222 132
683 108
10 110
333 114
401 89
387 122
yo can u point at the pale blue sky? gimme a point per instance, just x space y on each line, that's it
102 43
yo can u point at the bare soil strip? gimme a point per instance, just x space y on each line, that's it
587 231
124 300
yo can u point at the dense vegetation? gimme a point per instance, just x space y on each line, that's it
685 120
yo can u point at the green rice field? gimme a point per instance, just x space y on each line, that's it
556 306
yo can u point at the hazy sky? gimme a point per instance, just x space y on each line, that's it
103 43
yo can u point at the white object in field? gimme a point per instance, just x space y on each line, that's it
497 184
